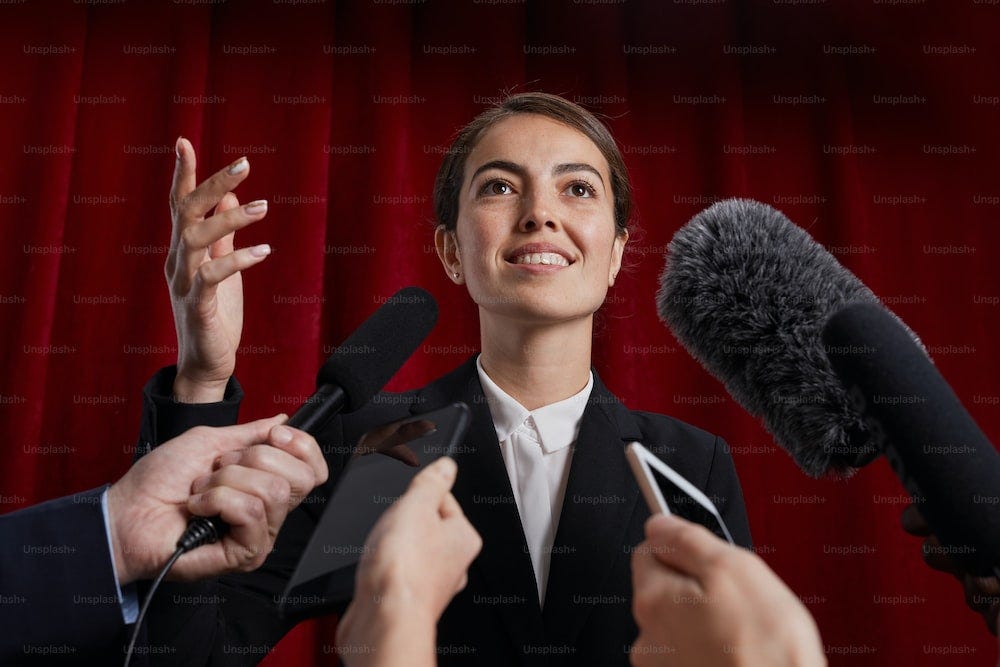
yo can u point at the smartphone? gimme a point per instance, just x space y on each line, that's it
658 481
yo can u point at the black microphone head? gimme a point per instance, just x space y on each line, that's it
747 293
933 444
368 359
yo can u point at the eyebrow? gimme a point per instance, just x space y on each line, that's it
514 168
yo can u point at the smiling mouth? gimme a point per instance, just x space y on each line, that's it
540 258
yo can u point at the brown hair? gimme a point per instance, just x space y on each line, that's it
449 179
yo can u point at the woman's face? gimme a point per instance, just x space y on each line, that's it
535 238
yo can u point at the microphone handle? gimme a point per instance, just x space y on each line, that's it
312 415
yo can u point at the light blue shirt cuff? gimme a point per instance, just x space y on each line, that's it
128 599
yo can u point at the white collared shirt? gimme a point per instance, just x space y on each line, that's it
554 427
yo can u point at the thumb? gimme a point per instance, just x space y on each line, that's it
433 482
686 547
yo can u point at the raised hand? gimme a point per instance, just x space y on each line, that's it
203 273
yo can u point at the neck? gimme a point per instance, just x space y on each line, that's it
537 365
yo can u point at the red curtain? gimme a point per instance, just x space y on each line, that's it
872 124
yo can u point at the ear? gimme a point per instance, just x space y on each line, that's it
449 253
617 251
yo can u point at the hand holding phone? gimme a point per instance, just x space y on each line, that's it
653 475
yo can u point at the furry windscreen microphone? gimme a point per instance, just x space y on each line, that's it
747 293
935 447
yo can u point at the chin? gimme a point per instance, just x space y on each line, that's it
540 308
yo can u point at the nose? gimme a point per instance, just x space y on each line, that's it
538 212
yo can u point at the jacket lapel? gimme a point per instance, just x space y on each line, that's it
600 497
484 492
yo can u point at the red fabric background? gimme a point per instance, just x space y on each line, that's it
344 110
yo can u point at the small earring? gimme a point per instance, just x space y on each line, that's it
456 274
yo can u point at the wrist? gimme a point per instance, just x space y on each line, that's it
189 390
123 569
405 636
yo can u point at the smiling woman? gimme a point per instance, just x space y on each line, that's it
536 242
533 202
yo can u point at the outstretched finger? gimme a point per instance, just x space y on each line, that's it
207 235
184 174
211 273
197 203
207 441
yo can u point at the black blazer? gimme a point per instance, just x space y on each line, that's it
58 598
496 619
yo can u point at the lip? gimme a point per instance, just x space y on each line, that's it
531 248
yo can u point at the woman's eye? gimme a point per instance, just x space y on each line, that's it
496 188
581 189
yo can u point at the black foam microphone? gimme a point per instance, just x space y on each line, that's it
747 293
367 360
354 373
932 443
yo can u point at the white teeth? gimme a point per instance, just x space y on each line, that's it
542 258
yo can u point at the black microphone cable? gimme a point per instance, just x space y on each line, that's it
200 530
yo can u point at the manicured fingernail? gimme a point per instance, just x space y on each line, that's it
238 167
262 250
281 435
255 207
177 147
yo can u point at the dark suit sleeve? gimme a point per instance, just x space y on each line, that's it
164 418
723 488
58 596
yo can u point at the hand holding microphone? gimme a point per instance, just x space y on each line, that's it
982 594
358 370
251 475
838 380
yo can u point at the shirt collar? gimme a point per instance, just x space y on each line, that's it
557 424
